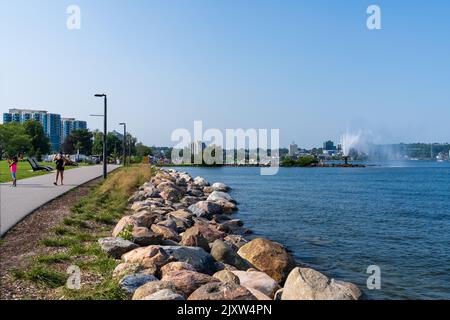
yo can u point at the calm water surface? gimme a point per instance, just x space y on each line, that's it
341 220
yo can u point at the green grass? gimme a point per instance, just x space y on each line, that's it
58 242
24 170
92 218
108 289
42 275
53 258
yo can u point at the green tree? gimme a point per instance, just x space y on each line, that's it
68 145
113 144
97 145
82 141
40 143
142 150
14 140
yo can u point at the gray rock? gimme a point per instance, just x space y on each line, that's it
195 192
189 200
201 260
165 294
218 186
144 237
130 283
226 276
222 291
116 247
201 182
205 209
219 195
309 284
224 253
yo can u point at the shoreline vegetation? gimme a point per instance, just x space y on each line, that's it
303 162
156 234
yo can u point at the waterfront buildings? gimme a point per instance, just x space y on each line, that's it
329 145
69 125
56 128
293 149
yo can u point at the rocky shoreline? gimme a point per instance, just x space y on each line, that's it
180 242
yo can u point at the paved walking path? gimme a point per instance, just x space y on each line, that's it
32 193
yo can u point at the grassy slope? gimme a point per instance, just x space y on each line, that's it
75 241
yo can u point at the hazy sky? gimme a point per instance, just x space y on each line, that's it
310 68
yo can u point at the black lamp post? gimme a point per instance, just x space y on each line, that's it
105 132
124 142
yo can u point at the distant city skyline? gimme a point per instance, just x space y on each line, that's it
309 68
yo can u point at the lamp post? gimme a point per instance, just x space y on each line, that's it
105 132
124 142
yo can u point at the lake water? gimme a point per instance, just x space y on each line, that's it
342 220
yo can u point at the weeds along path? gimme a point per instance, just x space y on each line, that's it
35 254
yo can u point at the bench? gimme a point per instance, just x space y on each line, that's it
37 167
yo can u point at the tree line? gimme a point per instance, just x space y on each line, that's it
29 139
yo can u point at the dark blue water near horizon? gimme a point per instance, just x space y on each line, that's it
342 220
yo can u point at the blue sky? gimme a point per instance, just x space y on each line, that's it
310 68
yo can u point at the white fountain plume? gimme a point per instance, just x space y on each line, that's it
350 141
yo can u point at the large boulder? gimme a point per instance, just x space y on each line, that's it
269 257
219 195
196 241
127 222
164 295
309 284
144 237
195 256
125 269
151 257
259 295
194 192
227 206
233 226
152 287
187 281
130 283
259 281
116 247
218 186
200 182
145 218
206 230
205 209
165 232
168 223
169 191
182 213
226 276
147 204
176 266
221 291
189 200
223 252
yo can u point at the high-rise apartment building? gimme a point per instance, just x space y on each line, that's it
54 126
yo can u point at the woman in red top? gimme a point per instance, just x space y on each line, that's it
13 169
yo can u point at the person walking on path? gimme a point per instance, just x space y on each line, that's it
60 161
13 169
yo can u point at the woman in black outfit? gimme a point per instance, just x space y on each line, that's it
60 163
